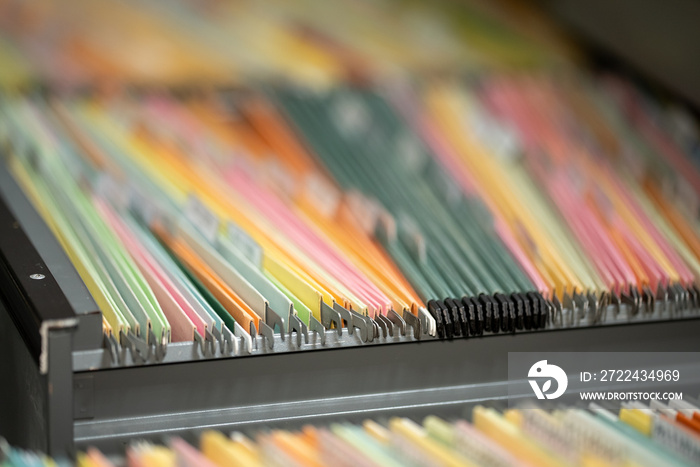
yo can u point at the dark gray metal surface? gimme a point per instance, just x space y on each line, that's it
59 380
38 323
89 332
35 409
23 395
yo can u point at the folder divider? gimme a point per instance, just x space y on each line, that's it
316 327
267 332
296 325
331 318
230 343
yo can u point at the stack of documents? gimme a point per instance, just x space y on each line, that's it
450 168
